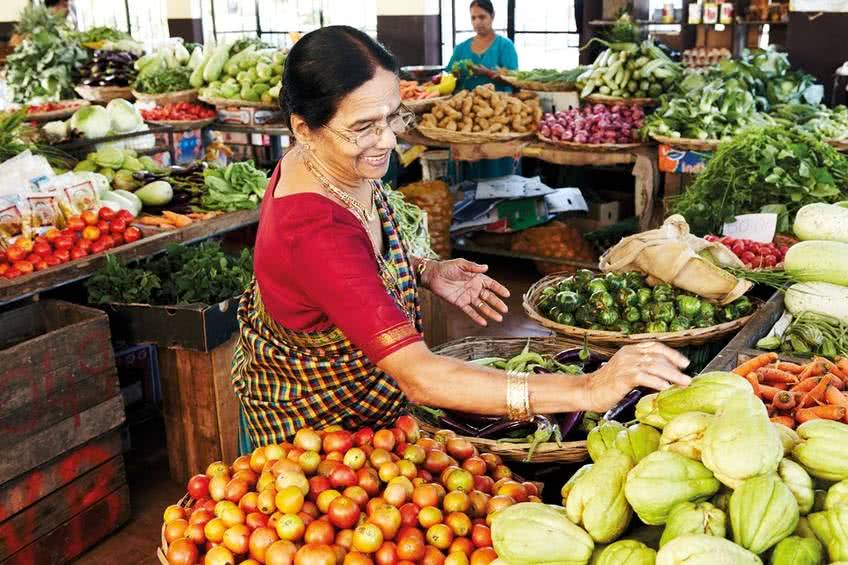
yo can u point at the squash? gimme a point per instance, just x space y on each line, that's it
821 298
821 221
817 261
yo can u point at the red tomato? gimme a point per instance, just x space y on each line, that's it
15 253
71 234
131 234
51 261
25 267
42 248
4 267
118 239
78 253
125 215
104 226
106 213
84 244
119 225
75 223
63 243
90 218
12 273
98 247
108 241
41 265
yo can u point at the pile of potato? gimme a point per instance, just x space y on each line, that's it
485 110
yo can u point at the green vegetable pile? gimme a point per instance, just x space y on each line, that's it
44 64
412 225
623 302
760 167
101 33
201 274
820 121
238 186
167 70
629 70
810 334
251 74
117 165
16 137
548 75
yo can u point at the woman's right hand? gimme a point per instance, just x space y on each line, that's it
649 364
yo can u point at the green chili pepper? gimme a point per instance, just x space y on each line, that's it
679 324
657 327
595 285
632 315
665 312
568 301
707 310
608 316
689 306
644 295
828 349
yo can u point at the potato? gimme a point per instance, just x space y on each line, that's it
451 126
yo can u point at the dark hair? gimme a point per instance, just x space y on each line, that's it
326 65
484 5
51 3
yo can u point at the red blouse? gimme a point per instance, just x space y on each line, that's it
316 268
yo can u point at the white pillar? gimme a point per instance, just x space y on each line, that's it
10 9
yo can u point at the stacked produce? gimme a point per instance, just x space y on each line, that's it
117 165
762 167
821 121
545 76
623 302
411 90
96 37
238 186
594 124
629 70
557 240
336 496
252 74
94 122
703 464
92 232
426 213
178 112
109 68
754 254
484 110
167 70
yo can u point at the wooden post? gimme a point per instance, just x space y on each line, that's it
435 320
646 171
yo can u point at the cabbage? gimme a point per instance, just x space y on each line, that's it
124 116
91 121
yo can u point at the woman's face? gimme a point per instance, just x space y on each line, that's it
370 105
481 20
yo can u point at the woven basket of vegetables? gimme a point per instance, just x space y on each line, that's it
104 93
623 302
684 143
538 86
232 102
604 99
533 442
591 147
167 97
162 550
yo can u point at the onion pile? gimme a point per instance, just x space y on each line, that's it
594 124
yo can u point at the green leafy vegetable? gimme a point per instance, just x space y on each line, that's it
43 66
412 225
163 80
238 186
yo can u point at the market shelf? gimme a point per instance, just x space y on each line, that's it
468 247
80 269
266 129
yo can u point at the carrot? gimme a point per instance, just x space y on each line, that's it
772 376
793 368
755 383
836 381
832 367
842 363
816 394
825 412
806 385
753 364
834 396
811 369
784 401
781 386
767 393
787 421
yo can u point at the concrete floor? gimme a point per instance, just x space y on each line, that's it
152 490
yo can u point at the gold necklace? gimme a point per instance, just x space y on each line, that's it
347 199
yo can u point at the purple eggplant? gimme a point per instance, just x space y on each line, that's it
473 420
573 357
504 427
629 401
567 421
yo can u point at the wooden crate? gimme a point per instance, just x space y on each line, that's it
200 408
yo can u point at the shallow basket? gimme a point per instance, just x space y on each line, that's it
104 93
162 551
538 86
590 147
422 106
231 102
167 97
472 348
686 143
182 124
447 136
66 112
604 99
694 336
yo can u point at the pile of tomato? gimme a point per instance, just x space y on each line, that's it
334 497
87 234
48 107
754 254
178 112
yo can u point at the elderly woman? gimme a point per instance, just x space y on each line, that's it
331 328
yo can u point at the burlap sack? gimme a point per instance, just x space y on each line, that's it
672 255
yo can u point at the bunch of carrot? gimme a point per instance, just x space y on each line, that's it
411 90
796 393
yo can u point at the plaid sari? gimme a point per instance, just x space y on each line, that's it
287 380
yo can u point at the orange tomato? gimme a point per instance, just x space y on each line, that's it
175 529
290 527
173 512
280 552
483 556
289 500
314 554
367 538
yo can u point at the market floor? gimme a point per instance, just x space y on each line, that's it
152 490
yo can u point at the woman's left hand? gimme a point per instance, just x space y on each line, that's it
464 284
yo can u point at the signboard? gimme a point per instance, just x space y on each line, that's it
818 6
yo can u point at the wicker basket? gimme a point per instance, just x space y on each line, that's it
167 97
695 336
422 106
838 144
604 99
104 93
183 124
538 86
233 103
447 136
590 147
690 144
472 348
162 551
71 106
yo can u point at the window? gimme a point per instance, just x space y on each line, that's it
279 21
146 20
543 36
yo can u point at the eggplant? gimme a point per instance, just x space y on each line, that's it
629 401
474 420
572 357
506 426
568 421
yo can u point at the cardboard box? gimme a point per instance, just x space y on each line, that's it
679 161
523 213
191 326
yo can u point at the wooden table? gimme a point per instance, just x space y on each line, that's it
12 290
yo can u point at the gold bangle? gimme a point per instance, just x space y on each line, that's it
422 266
518 396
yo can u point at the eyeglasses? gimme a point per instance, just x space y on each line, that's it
399 122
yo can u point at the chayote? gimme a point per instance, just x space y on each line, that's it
647 413
637 441
803 528
822 450
788 437
741 442
684 433
796 550
701 549
597 501
837 495
722 500
799 483
831 528
694 518
763 511
706 393
627 552
532 533
602 438
569 484
663 479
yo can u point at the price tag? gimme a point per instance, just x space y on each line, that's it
756 227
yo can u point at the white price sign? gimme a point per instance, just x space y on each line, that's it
756 227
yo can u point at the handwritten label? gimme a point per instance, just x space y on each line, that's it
756 227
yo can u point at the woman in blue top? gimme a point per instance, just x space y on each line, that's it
491 51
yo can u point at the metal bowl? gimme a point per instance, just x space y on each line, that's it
421 73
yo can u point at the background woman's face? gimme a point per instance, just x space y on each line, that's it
481 20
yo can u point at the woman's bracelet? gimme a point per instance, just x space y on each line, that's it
518 396
420 268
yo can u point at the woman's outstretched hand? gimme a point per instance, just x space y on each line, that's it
649 364
464 284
